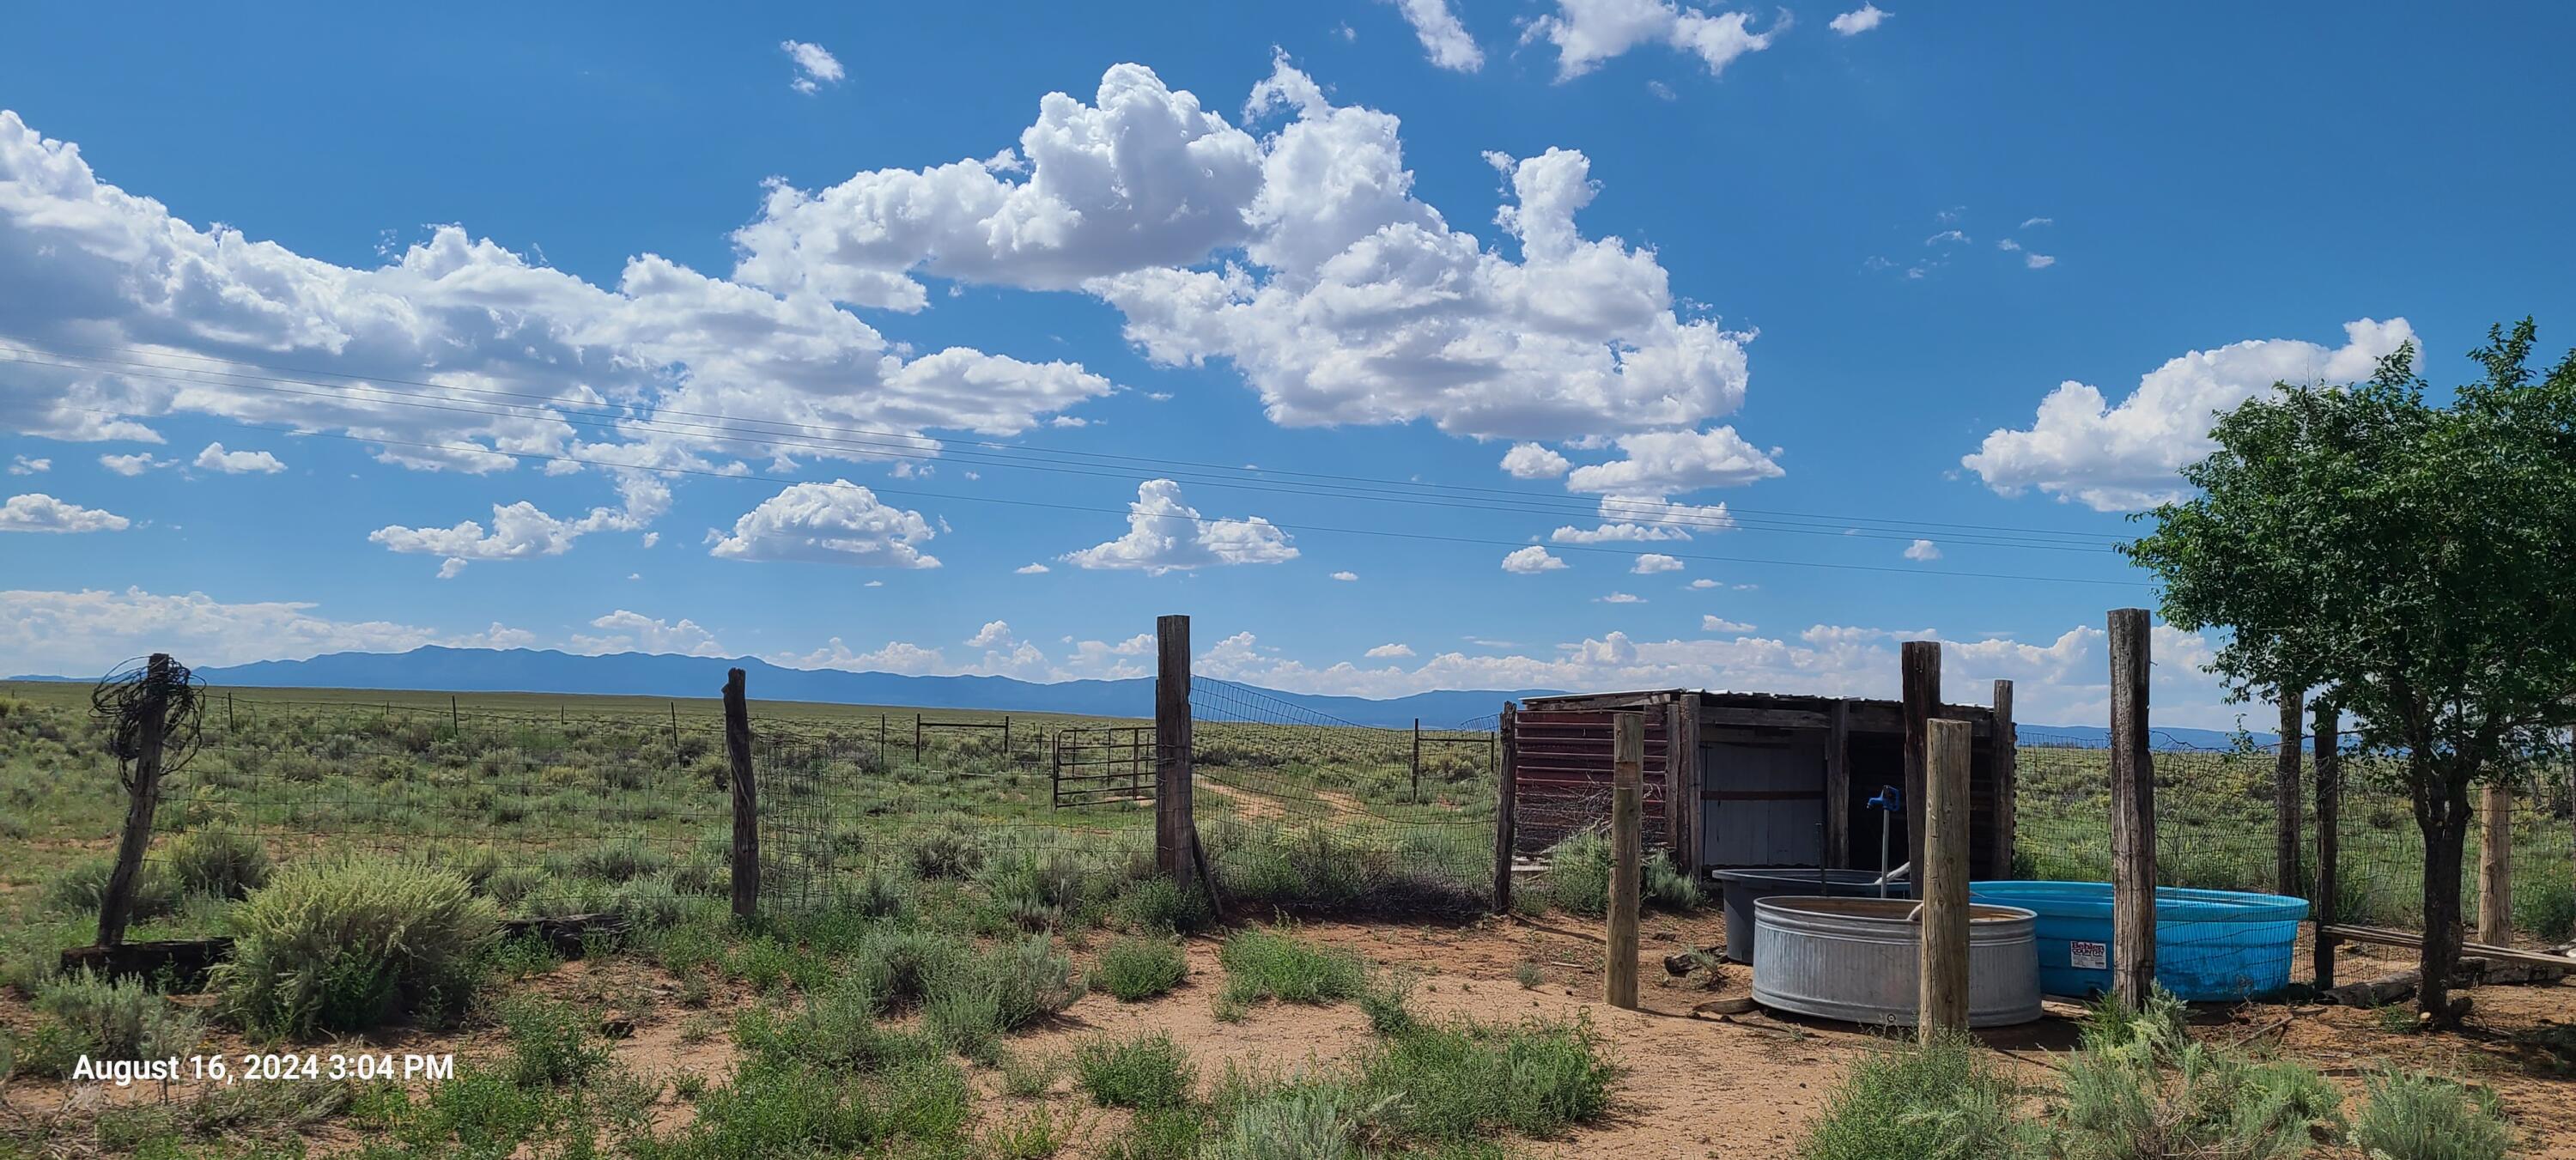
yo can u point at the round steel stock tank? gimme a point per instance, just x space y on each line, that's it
1858 959
1740 889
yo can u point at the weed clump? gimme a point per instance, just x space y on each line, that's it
1146 1073
1460 1082
1935 1101
1135 969
2413 1116
344 944
222 863
101 1018
1273 963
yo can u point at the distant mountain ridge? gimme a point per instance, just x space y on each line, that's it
479 670
482 670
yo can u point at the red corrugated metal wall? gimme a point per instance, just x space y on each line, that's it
1561 776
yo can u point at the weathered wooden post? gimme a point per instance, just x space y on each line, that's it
2285 798
2495 866
1942 992
746 799
1921 661
1172 747
1506 788
2326 907
1627 818
2007 781
1417 761
143 798
916 739
2133 812
1838 786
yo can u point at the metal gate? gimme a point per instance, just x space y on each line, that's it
1102 765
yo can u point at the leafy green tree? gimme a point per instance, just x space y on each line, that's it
2415 563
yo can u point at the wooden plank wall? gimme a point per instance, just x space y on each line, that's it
1561 766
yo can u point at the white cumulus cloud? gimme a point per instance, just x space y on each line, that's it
1166 535
815 66
1653 562
1589 32
21 465
215 458
835 523
1385 651
623 631
1346 576
38 512
1531 560
1857 21
2128 456
523 531
1714 623
82 633
1645 518
1661 463
1924 550
1532 461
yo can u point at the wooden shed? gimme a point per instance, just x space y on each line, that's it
1759 779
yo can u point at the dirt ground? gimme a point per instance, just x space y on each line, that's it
1694 1085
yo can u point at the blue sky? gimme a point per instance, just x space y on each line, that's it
1894 313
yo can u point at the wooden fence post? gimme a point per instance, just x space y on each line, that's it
1838 786
1506 789
1627 818
143 797
746 799
1417 761
1921 660
2326 905
2495 866
2133 812
1942 994
916 739
1172 746
2007 782
2285 798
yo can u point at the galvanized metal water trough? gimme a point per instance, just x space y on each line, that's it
1858 960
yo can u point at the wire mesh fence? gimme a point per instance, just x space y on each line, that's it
2216 828
1295 806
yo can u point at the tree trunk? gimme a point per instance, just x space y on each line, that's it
2442 813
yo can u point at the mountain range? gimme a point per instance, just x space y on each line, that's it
480 670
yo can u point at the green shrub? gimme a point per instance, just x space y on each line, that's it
1389 1007
1578 874
1162 1134
1158 904
1668 886
1146 1072
343 944
2544 904
620 861
900 966
1139 968
649 904
1027 980
2414 1116
948 852
1462 1081
78 890
1945 1100
2140 1085
223 863
107 1019
551 1042
511 885
1311 1120
1273 963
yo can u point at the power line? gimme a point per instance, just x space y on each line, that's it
1425 537
908 445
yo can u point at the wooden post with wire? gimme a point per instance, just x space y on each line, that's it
2285 798
2326 906
1172 819
746 799
1942 991
1920 661
2133 813
2495 865
1506 789
143 797
2007 782
1627 818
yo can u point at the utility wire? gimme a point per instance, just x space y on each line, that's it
1320 529
1471 498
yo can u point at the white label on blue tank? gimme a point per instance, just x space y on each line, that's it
2088 956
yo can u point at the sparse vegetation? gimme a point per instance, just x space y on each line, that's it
1273 963
345 944
1149 1072
1944 1100
2414 1116
1134 969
